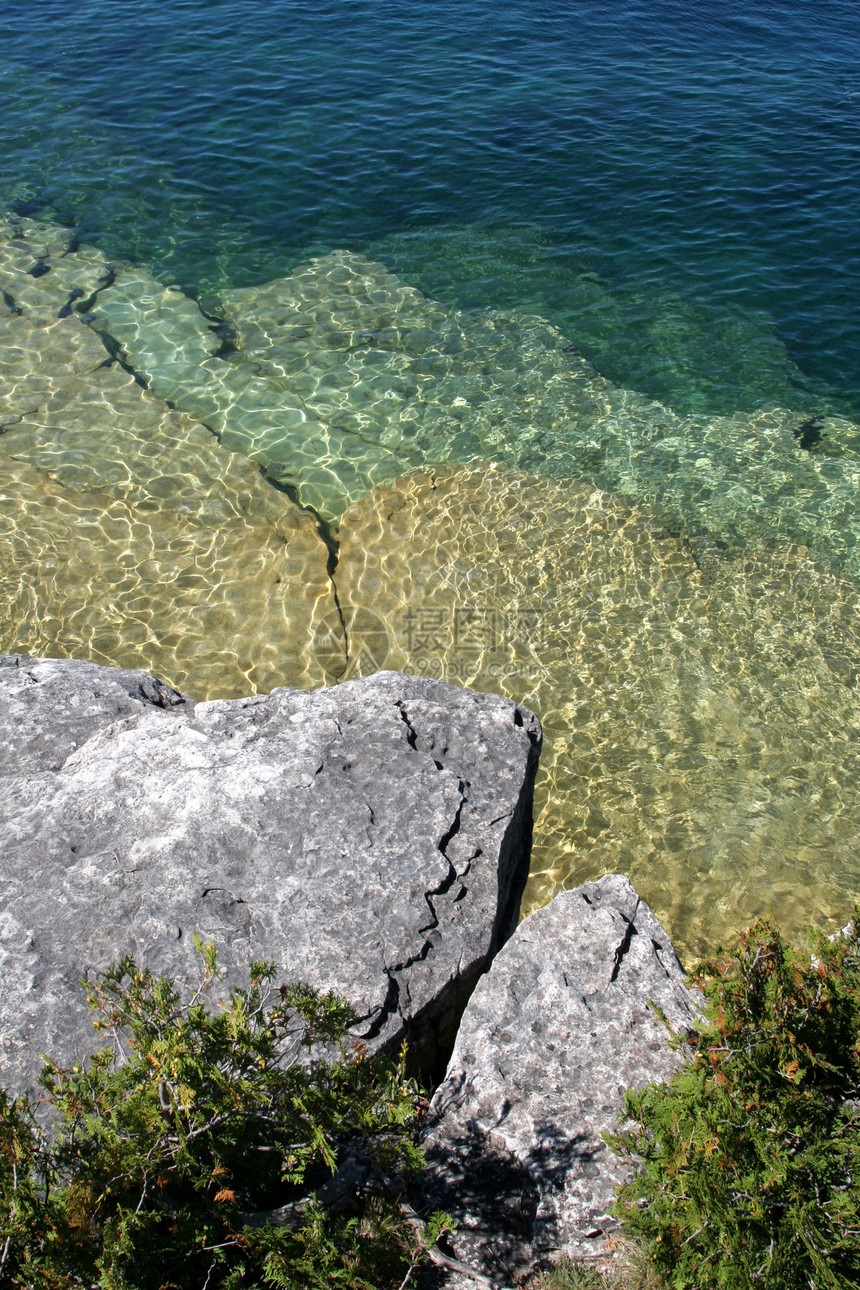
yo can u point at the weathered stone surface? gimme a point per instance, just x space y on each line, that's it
551 1038
371 838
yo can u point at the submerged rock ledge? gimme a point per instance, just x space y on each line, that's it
486 509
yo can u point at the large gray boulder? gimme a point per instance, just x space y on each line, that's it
372 838
566 1019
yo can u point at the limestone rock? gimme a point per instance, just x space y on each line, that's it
372 838
553 1035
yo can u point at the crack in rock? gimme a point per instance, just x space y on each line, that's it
445 839
392 1000
658 954
390 1005
68 309
624 944
411 736
444 886
89 303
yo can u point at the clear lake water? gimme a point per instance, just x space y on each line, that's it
513 343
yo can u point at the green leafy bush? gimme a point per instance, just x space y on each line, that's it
210 1145
752 1152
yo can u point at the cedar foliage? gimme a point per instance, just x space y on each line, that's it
752 1152
192 1118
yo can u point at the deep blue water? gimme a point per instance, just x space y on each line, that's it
677 187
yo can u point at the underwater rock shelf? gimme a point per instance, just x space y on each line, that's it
448 501
341 377
130 535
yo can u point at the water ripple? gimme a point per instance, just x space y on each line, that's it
712 153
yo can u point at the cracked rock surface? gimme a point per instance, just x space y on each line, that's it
552 1036
372 838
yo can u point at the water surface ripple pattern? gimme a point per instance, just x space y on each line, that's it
675 187
699 691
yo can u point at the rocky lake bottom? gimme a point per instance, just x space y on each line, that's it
331 473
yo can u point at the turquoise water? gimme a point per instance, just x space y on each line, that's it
545 316
676 189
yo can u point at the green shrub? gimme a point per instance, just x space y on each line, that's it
171 1147
752 1152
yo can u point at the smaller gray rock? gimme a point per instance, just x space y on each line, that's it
565 1020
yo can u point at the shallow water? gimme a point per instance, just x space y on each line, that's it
698 691
511 343
701 715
